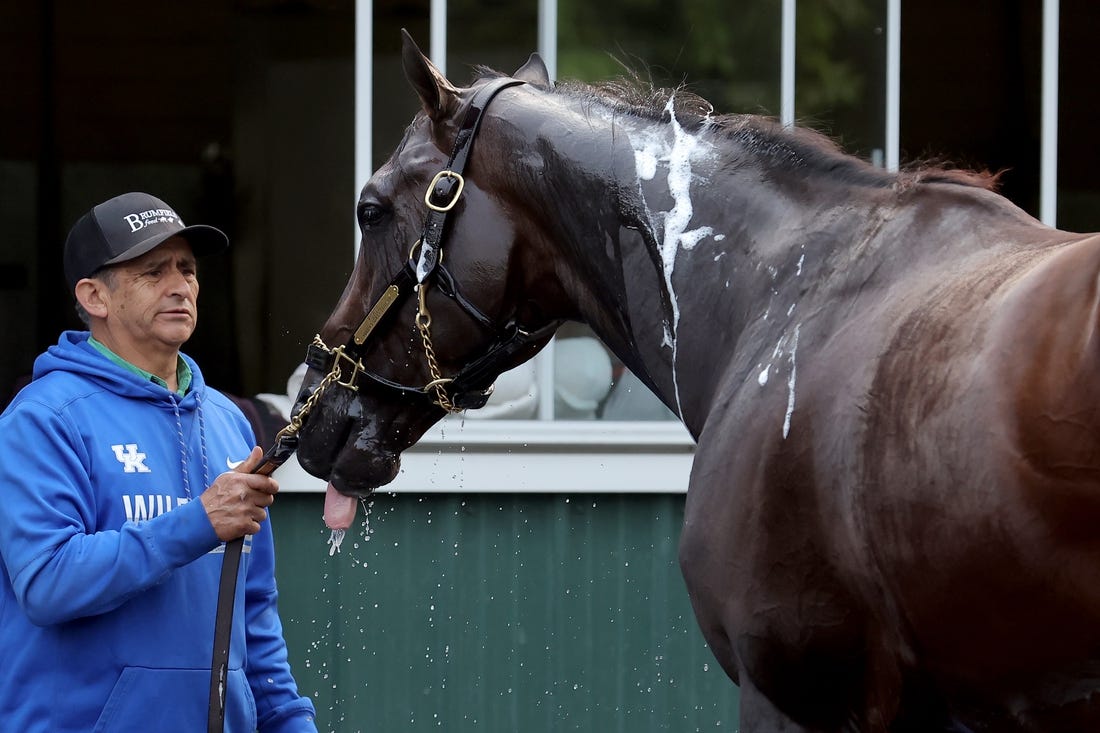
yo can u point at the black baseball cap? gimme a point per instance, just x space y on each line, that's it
126 227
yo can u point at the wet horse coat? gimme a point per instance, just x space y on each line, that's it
891 379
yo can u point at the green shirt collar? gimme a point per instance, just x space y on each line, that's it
183 371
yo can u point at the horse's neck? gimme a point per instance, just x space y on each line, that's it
663 244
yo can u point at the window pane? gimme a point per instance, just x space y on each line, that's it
726 52
590 383
840 73
1078 106
500 34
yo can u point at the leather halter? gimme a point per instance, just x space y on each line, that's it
471 387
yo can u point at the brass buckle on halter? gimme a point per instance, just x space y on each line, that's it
356 368
416 246
333 363
436 181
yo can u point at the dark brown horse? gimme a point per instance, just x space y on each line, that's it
893 379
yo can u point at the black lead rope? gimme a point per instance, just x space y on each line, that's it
227 592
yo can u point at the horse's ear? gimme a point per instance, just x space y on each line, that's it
534 72
438 96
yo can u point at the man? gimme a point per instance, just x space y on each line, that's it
113 514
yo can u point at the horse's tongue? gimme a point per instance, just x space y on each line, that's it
339 509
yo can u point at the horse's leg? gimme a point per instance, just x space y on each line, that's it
927 715
759 715
799 654
873 689
773 599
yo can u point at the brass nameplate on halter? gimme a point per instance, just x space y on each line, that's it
385 300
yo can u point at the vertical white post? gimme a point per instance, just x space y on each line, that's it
893 84
364 91
1048 128
548 49
437 23
548 35
786 63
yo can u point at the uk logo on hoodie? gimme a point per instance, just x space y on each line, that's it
132 460
142 507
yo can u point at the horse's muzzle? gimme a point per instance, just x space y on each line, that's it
359 473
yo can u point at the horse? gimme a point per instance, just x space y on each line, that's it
892 379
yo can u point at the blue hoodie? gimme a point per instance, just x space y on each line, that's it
110 569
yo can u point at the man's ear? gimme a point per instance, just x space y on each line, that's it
91 294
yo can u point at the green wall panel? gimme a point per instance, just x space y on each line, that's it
488 612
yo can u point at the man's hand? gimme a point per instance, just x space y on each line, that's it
237 501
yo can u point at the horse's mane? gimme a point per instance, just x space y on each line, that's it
792 147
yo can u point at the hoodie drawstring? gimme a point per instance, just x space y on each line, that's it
183 446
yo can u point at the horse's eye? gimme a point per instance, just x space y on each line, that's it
370 214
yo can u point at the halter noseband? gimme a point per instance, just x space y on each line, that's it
471 387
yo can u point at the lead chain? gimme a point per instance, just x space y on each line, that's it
423 325
298 418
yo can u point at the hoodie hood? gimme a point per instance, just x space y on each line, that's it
73 354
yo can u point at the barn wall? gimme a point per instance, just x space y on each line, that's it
480 612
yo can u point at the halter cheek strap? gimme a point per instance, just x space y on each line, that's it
446 187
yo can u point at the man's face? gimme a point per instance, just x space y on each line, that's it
152 301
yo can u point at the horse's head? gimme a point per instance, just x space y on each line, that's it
442 298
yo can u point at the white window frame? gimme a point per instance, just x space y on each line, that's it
536 456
